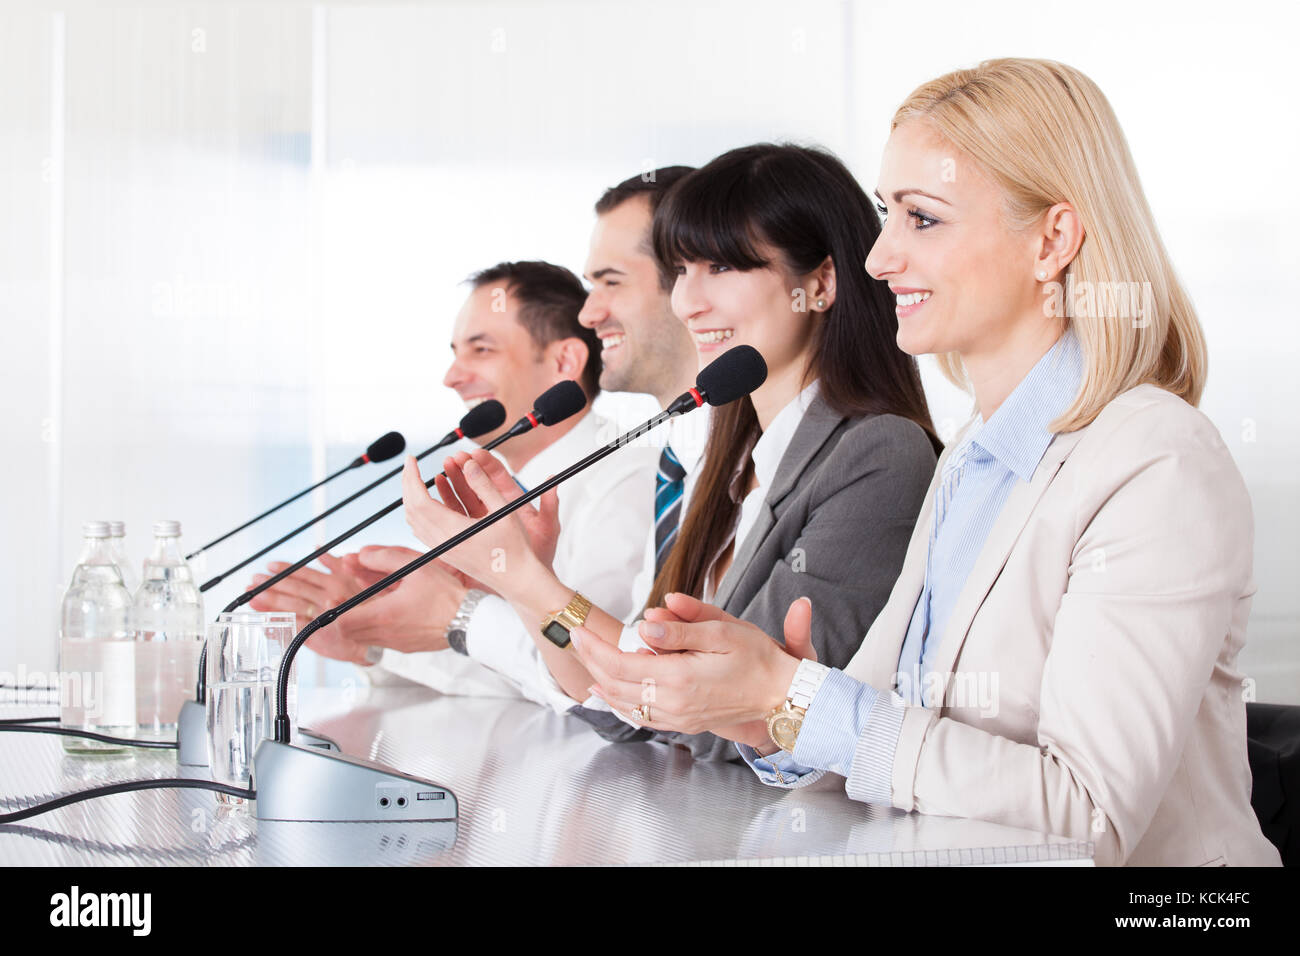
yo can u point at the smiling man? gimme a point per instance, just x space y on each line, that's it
517 335
645 347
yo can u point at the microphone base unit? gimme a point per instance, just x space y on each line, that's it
420 843
192 736
310 785
307 737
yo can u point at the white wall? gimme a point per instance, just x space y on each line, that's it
232 233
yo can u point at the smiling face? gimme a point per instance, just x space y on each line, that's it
495 357
724 307
963 278
643 346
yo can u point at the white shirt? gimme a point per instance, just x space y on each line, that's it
604 515
686 435
767 454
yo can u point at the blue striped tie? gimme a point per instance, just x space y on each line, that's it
669 484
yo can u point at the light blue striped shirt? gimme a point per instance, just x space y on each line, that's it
851 728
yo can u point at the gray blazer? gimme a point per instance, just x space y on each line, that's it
834 528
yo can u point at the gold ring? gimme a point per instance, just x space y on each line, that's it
311 612
641 712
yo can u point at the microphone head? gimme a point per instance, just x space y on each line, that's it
389 446
559 402
483 418
733 374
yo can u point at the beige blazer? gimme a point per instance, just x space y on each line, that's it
1092 688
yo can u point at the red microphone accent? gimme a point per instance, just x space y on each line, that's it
366 459
460 433
532 419
699 399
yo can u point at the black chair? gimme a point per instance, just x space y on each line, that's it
1273 749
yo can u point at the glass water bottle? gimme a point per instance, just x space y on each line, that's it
96 648
168 620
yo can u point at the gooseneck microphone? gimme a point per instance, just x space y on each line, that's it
479 420
553 406
381 449
295 783
732 375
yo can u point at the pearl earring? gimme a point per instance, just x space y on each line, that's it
1041 274
820 303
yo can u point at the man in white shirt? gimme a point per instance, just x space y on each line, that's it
516 336
646 349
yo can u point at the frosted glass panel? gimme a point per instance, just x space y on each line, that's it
29 516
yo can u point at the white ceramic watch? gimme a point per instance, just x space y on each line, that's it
785 722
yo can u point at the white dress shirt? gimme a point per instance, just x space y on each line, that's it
604 514
687 436
767 454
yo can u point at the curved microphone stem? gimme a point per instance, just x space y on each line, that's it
201 687
208 585
683 404
270 511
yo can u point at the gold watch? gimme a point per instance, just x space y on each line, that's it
785 722
557 625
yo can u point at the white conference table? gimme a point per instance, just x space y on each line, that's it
533 788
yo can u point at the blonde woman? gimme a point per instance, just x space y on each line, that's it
1059 652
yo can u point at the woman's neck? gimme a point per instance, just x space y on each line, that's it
995 372
778 391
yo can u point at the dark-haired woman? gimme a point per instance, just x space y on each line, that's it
810 487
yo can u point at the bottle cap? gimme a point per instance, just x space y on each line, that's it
166 529
117 529
95 529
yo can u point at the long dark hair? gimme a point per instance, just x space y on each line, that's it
805 204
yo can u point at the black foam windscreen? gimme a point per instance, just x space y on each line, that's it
559 402
733 374
483 418
389 446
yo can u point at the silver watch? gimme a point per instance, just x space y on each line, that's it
458 629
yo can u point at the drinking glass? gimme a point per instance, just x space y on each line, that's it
244 653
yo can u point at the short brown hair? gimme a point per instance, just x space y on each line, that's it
654 185
550 298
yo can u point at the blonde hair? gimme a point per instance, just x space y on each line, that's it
1045 134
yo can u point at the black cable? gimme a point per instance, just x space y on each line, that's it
90 735
162 783
134 853
10 721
